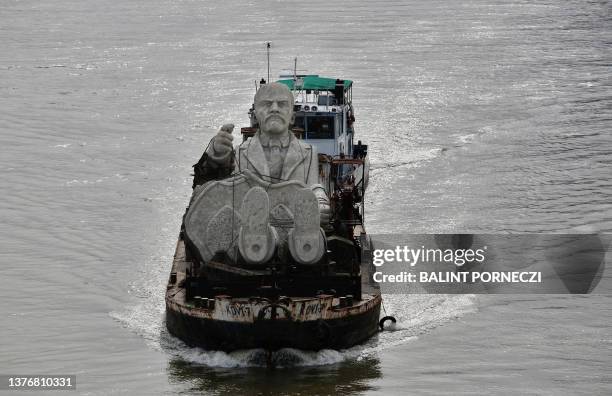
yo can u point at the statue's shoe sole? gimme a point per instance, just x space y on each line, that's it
222 231
306 240
256 240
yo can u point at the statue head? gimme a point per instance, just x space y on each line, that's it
274 108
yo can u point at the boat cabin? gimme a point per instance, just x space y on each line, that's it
323 113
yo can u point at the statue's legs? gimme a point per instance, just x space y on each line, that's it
306 240
252 220
222 230
257 239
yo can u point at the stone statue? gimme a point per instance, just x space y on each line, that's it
273 173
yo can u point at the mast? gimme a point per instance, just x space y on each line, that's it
268 52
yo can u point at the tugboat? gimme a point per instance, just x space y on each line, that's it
217 304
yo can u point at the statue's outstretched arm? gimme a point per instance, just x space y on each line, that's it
217 162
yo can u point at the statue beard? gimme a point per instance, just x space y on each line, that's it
275 126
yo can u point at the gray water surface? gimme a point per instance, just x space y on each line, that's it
481 116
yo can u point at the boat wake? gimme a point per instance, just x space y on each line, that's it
417 157
415 314
286 357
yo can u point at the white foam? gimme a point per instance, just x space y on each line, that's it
415 314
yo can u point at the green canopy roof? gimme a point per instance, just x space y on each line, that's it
315 82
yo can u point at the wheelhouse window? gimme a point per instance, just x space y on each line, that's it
326 100
320 127
317 126
299 122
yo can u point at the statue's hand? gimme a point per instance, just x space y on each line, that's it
221 145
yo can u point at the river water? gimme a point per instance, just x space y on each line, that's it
481 116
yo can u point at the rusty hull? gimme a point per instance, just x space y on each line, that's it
311 323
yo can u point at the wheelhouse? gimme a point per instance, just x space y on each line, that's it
323 113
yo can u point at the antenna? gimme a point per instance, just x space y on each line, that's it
295 68
268 51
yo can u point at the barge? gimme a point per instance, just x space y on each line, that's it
220 304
